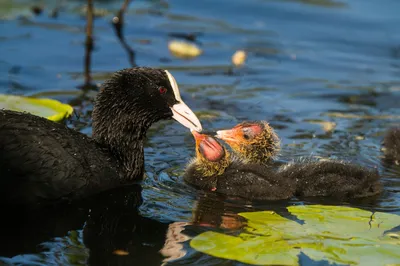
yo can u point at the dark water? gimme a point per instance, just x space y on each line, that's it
308 61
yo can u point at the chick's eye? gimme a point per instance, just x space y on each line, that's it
247 133
162 90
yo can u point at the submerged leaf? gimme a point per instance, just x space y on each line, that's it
338 234
47 108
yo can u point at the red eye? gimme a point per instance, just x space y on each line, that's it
162 90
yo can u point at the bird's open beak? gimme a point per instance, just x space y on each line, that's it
185 116
207 147
228 135
198 136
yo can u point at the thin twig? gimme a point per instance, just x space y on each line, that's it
118 22
89 42
124 7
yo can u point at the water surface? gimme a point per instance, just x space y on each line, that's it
308 62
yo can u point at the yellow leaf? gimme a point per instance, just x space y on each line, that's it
239 57
47 108
184 49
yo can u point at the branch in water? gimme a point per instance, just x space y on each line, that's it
118 22
88 43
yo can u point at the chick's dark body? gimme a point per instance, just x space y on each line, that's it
255 142
332 179
306 179
392 145
245 180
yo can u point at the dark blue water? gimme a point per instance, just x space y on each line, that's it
308 62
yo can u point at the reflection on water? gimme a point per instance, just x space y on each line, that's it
325 74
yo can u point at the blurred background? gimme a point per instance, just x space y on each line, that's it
324 73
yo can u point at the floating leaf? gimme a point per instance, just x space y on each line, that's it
359 137
239 57
327 126
184 49
47 108
338 234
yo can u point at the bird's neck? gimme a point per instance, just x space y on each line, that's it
130 155
208 168
125 142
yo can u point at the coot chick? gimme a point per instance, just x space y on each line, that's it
391 144
45 162
331 178
215 169
254 141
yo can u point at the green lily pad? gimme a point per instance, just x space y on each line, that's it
337 234
47 108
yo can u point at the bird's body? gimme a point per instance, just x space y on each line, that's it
392 145
331 178
38 164
43 162
249 172
244 180
215 169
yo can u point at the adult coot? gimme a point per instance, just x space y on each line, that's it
45 162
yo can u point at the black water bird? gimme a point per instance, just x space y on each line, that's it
248 172
255 142
45 162
391 145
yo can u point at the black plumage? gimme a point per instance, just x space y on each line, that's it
244 180
234 176
331 179
43 162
